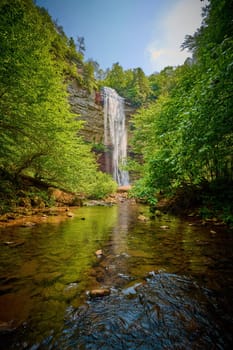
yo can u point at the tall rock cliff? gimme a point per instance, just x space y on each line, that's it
84 104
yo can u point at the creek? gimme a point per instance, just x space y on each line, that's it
171 282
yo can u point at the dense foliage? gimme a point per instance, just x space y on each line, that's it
131 84
39 134
186 135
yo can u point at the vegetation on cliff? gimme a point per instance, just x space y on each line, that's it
39 134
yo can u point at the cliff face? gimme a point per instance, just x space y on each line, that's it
92 113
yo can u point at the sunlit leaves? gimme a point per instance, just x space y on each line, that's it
131 84
187 134
39 134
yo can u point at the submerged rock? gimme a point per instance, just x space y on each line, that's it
142 218
28 224
98 273
14 243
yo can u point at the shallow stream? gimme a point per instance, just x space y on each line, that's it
170 282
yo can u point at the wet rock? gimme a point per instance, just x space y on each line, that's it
126 188
191 215
77 201
71 285
126 277
99 203
142 218
99 253
70 292
15 243
64 198
111 200
11 216
211 220
28 224
131 291
37 202
151 274
98 274
25 202
4 219
124 255
8 243
220 223
52 212
98 293
7 326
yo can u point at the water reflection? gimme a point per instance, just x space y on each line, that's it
120 231
185 303
50 270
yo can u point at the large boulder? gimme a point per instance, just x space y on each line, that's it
64 198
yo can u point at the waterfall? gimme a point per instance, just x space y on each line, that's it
115 134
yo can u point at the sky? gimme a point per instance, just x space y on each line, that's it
134 33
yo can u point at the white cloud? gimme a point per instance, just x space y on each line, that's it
184 18
160 58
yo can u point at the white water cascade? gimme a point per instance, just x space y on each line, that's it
115 135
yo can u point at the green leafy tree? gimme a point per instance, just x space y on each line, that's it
130 84
39 134
99 73
186 136
138 88
162 82
116 78
89 81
